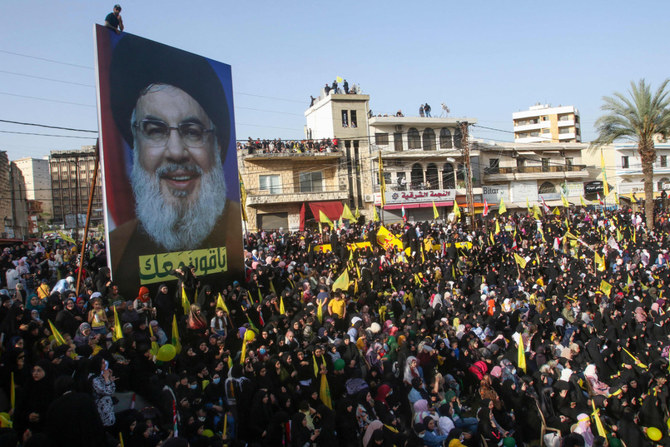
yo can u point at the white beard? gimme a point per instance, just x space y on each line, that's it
182 226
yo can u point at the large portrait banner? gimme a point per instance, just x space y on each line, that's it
167 149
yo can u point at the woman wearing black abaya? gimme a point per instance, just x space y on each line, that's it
207 301
346 424
260 415
32 408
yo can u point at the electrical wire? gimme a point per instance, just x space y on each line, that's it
43 59
46 99
46 135
47 126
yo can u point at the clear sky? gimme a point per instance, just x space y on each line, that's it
484 59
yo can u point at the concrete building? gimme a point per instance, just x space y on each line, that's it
623 168
20 219
37 178
542 123
71 178
423 163
530 173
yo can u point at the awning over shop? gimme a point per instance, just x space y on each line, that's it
397 206
332 210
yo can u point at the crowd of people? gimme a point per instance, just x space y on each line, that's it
279 146
527 328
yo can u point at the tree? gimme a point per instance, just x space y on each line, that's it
637 117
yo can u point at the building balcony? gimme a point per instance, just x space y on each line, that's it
536 172
289 155
532 126
287 195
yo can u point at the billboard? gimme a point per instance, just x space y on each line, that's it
167 148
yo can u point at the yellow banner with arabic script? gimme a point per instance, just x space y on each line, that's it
159 267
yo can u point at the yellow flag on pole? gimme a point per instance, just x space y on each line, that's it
436 215
497 227
324 219
248 337
520 261
606 187
347 214
457 210
502 209
57 335
185 303
154 344
118 331
632 198
599 423
282 309
581 199
176 341
324 392
222 304
605 287
342 282
375 216
338 79
521 354
600 263
565 201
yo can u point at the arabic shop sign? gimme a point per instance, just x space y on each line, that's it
425 196
595 187
161 267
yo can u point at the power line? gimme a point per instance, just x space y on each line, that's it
45 59
46 79
46 99
45 135
47 126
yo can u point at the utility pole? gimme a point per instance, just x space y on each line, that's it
468 173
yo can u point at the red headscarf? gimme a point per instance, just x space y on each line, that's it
143 291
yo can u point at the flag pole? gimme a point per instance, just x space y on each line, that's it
88 215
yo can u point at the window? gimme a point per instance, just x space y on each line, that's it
354 121
568 163
545 165
547 188
448 180
520 163
624 162
429 140
413 139
458 139
271 183
397 141
311 181
564 130
664 161
417 176
494 165
381 139
345 118
432 178
445 138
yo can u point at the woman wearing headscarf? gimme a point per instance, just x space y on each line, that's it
196 323
83 335
260 415
164 307
32 408
206 300
365 412
584 429
104 387
488 427
143 305
346 423
301 435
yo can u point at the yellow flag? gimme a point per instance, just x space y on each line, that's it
347 214
154 344
565 201
556 212
222 304
521 354
606 187
536 212
382 180
342 283
375 216
502 209
600 263
324 392
176 341
57 335
634 235
357 214
248 337
282 309
616 199
319 313
605 287
121 440
599 423
530 210
324 219
66 238
338 79
243 199
581 199
436 215
118 331
632 198
497 227
457 210
387 239
185 303
520 261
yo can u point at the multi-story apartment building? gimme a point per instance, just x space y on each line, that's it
71 178
542 123
423 163
623 168
530 173
37 179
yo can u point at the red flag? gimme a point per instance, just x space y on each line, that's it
404 215
600 199
486 208
545 207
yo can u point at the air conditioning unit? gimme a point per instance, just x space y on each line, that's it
368 198
398 128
